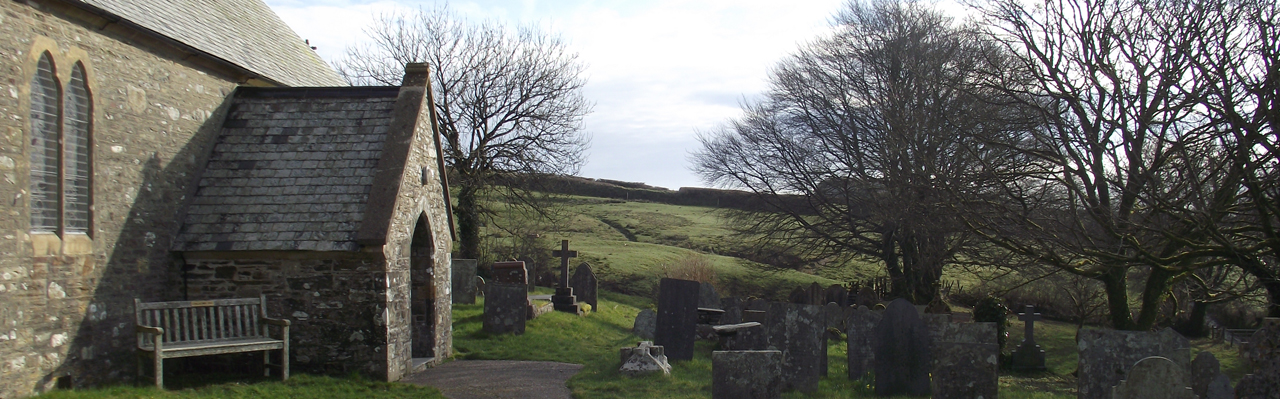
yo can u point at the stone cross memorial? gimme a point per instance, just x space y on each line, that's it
564 300
1028 355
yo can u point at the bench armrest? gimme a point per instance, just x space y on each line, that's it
276 322
149 330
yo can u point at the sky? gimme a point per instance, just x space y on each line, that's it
658 71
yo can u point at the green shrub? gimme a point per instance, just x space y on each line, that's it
992 309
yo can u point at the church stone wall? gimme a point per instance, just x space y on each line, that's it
420 195
66 301
335 300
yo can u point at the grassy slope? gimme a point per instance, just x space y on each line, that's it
627 244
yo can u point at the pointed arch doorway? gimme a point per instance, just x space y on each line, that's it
422 291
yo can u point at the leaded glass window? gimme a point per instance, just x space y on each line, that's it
76 169
44 147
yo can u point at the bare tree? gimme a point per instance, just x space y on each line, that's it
863 141
1132 176
508 104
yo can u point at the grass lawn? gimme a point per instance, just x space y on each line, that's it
239 386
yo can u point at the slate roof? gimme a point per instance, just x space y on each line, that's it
291 170
243 32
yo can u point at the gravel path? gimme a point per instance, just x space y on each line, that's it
477 379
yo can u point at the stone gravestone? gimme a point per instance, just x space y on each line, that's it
796 330
564 300
645 323
645 358
462 277
903 356
707 297
838 295
732 307
799 296
1154 378
505 308
1203 370
746 374
510 273
756 304
1220 388
816 295
585 284
1263 354
966 361
861 354
677 317
867 297
1105 356
1028 355
835 320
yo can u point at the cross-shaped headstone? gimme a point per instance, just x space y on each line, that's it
564 254
1029 317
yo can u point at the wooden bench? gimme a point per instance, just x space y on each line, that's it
169 330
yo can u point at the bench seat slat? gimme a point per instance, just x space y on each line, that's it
201 348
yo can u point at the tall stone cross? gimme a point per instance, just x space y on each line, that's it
564 254
1029 317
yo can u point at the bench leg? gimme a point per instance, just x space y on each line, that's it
266 363
284 363
159 370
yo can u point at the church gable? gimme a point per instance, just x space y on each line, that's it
292 170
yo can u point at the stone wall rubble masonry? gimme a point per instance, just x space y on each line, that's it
67 313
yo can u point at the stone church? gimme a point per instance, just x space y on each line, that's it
194 149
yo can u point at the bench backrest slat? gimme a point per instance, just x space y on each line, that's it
185 321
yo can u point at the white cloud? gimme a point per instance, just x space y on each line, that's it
659 71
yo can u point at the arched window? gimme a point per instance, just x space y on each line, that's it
76 154
45 115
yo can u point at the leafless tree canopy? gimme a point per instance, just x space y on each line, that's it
864 139
507 103
1138 171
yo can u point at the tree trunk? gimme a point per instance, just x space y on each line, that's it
889 252
1114 282
468 218
1152 296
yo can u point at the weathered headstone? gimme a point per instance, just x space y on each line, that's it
646 322
799 296
837 294
732 307
903 356
1105 356
564 299
585 285
1220 388
505 308
757 304
1154 378
816 295
510 273
463 274
707 297
677 317
861 353
748 336
1028 355
1263 354
645 358
867 297
759 316
746 374
1203 369
966 361
796 330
